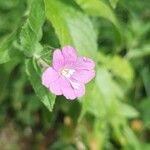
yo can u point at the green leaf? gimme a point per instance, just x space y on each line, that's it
11 14
72 27
32 30
100 9
132 139
7 49
113 3
145 111
111 93
106 84
102 95
120 67
145 73
92 102
5 73
128 111
43 93
136 53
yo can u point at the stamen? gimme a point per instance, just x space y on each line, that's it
67 72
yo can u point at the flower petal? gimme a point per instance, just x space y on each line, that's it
83 76
81 91
48 76
67 89
84 63
58 59
55 87
69 54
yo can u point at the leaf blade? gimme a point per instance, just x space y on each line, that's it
68 23
31 32
45 96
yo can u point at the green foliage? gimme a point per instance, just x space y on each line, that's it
68 23
120 67
35 78
114 112
7 49
145 112
113 3
99 9
32 30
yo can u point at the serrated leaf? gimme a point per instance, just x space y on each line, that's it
47 98
32 30
72 27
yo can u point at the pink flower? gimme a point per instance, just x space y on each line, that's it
69 73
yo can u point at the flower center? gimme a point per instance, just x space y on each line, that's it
67 72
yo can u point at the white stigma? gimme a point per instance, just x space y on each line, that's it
67 72
84 58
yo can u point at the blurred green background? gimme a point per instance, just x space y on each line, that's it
114 114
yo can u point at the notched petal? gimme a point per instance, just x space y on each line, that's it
69 54
84 63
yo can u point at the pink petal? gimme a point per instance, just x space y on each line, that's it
48 76
67 89
58 59
83 76
81 91
84 63
55 87
69 54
